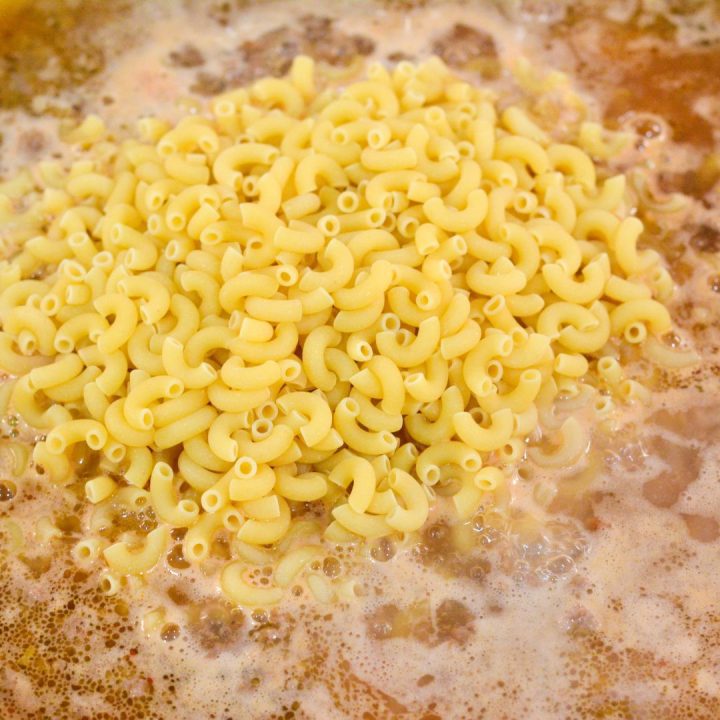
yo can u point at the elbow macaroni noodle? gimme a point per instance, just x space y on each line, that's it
306 304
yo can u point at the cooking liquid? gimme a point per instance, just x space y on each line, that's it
598 598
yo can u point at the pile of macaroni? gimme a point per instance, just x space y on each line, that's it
351 298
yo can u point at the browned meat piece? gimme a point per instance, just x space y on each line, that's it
186 56
463 44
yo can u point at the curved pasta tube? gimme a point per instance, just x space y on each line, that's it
450 452
481 438
480 368
124 560
650 312
595 274
362 524
382 97
358 439
185 428
454 220
68 433
32 330
529 152
358 471
519 398
241 592
123 326
574 442
587 339
552 235
429 385
136 407
91 325
178 513
373 417
374 285
238 376
173 358
250 486
119 427
313 356
270 448
281 346
154 293
313 167
266 532
413 515
227 165
502 278
533 350
416 352
313 407
305 487
293 563
426 431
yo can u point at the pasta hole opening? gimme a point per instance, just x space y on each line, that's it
485 484
287 276
494 306
268 411
250 186
376 216
246 468
208 144
495 370
175 221
459 245
189 507
329 225
348 201
351 406
388 438
174 389
225 108
199 550
430 475
505 347
291 371
94 440
64 344
166 148
635 332
484 387
210 236
116 453
390 322
340 136
364 350
50 304
519 336
408 227
146 419
154 224
107 586
55 444
471 463
479 416
376 139
425 300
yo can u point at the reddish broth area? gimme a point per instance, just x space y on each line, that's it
599 603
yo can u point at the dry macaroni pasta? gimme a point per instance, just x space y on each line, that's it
299 305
